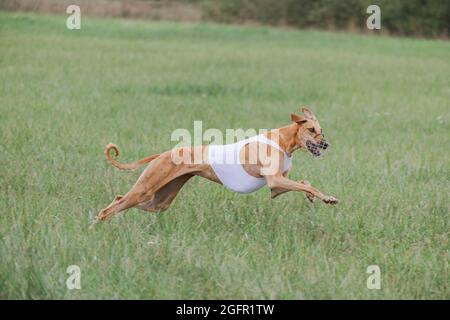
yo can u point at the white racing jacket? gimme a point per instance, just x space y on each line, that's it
224 159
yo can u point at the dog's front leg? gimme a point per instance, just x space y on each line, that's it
275 192
279 182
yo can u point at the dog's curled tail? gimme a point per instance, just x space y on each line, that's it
125 166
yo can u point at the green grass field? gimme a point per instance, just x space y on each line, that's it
383 104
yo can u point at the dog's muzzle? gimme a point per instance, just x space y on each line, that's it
316 148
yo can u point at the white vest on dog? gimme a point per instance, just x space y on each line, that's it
224 159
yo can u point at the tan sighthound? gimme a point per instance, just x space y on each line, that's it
161 181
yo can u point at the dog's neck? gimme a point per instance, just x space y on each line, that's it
286 137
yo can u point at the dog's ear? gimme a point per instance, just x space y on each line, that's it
298 119
308 113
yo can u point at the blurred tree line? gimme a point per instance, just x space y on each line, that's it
403 17
429 18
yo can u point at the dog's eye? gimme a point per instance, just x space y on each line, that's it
311 130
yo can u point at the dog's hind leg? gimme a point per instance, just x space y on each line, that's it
116 198
119 204
115 206
164 197
158 174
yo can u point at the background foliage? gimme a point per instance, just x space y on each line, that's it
407 17
429 18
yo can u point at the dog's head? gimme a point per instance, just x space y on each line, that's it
309 134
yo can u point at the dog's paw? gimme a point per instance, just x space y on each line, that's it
330 200
310 197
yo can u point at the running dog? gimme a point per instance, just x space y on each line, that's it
243 167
